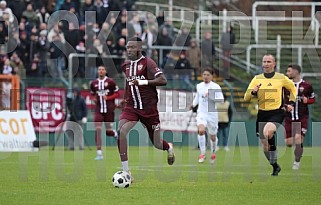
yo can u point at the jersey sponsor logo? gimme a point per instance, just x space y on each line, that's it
140 67
270 84
135 77
102 92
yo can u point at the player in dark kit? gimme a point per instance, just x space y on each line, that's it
105 90
296 122
142 77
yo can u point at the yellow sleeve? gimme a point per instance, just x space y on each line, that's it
289 85
248 95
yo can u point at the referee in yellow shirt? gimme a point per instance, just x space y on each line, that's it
267 88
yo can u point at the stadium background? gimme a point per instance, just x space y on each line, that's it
234 85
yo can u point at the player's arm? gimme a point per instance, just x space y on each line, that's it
289 85
310 98
114 95
195 100
252 90
93 93
159 80
155 76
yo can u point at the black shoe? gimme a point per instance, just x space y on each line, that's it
276 170
39 144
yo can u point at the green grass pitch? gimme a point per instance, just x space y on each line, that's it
241 176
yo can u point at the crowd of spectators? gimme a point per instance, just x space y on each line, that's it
42 41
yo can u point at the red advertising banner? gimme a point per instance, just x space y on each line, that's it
46 105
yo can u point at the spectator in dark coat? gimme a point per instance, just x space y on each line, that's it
208 50
227 41
78 113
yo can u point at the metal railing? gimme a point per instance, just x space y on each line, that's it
81 55
278 48
256 19
172 8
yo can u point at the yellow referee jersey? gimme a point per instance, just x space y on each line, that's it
270 94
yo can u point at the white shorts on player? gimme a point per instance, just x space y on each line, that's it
209 122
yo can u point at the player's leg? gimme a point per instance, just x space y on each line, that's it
212 127
152 125
124 127
288 135
300 131
259 133
201 142
201 129
98 119
110 132
109 119
269 134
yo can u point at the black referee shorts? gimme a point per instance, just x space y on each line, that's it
265 116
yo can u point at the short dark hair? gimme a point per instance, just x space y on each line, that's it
135 38
295 67
208 70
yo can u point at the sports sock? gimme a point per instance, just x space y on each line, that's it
99 152
213 145
125 166
272 151
216 143
267 155
202 143
170 149
271 142
165 145
298 151
273 157
98 138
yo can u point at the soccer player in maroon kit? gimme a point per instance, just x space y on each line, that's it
105 90
142 77
296 121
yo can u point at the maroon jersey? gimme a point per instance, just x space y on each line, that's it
304 89
100 88
140 97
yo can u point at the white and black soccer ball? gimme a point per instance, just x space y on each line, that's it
122 179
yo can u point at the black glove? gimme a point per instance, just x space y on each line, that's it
194 109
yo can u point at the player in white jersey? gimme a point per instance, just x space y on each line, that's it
207 94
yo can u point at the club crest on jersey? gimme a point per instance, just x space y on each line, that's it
301 89
140 67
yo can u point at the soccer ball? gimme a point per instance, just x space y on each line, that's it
122 179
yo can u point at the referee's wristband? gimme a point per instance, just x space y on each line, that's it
253 93
142 82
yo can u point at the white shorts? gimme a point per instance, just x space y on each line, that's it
210 123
